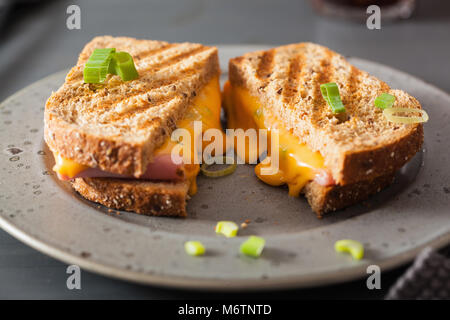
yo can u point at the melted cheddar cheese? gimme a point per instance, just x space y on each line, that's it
205 107
298 164
67 167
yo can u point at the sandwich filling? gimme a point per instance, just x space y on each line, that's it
298 164
205 107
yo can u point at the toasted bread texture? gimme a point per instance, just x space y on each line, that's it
361 147
116 126
328 199
144 197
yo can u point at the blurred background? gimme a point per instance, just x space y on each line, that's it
35 42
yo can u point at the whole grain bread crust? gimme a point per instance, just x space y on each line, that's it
169 199
287 79
375 162
188 67
328 199
143 197
95 151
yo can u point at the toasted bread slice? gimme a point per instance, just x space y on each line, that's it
117 126
144 197
169 199
331 198
287 81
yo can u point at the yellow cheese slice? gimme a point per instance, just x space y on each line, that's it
205 107
298 164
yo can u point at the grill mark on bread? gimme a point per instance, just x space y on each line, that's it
135 48
265 66
353 84
167 81
138 58
109 101
176 58
134 146
384 86
156 121
290 89
119 116
153 52
345 145
353 79
324 76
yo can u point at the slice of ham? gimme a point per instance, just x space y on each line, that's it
324 178
162 168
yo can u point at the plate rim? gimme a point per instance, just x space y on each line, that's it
289 282
217 284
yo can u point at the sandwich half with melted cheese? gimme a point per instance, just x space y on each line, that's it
112 140
334 160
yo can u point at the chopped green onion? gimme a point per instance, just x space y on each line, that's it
123 65
218 173
97 66
353 247
384 100
253 246
390 115
330 92
107 60
194 248
228 228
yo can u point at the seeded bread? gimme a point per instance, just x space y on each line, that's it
117 126
144 197
287 80
327 199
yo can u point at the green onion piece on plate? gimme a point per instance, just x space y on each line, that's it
384 100
353 247
123 65
229 169
97 66
194 248
228 228
253 246
330 92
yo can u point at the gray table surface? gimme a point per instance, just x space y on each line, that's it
34 42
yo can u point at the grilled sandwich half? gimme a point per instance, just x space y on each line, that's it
335 161
112 141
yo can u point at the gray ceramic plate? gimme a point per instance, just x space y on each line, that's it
394 225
